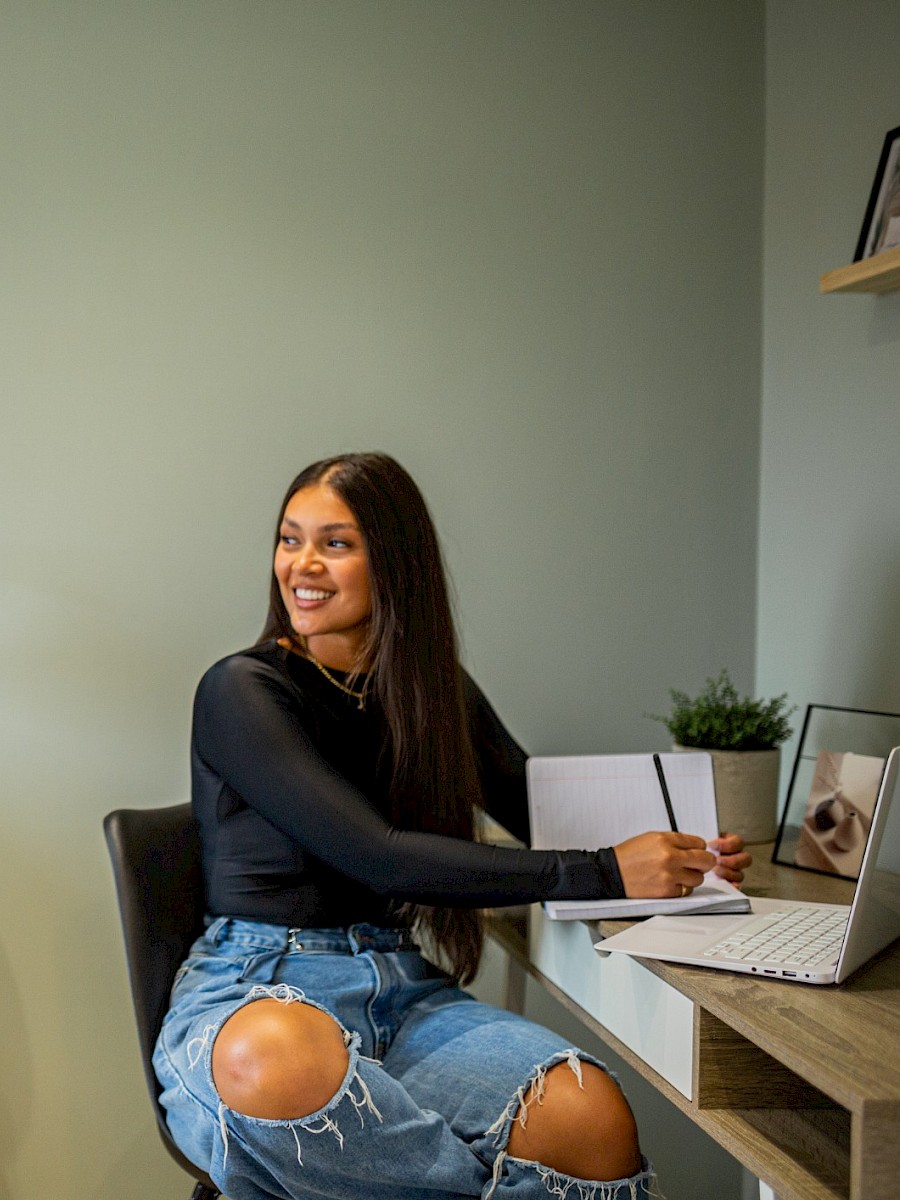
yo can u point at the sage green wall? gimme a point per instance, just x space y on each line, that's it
515 244
829 585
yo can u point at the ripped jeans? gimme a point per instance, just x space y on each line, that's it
434 1081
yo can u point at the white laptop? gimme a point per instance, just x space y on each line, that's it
788 939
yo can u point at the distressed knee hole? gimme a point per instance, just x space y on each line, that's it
575 1120
279 1061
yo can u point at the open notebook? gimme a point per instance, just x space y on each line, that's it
584 802
788 939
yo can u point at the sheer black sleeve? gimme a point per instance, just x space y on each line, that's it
502 768
501 765
249 731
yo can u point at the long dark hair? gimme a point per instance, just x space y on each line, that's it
413 671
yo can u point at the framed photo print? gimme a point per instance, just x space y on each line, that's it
881 224
831 797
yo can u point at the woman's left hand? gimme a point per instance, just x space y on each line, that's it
733 858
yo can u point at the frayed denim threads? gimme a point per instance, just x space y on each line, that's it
433 1081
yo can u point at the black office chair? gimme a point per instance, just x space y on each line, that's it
155 856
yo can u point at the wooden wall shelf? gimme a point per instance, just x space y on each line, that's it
879 273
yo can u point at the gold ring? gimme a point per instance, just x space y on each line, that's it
684 891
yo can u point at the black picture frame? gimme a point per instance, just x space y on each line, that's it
863 733
885 190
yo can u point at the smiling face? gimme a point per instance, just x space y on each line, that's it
323 574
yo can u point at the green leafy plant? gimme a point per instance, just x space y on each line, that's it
719 719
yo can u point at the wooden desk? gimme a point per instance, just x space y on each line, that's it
801 1084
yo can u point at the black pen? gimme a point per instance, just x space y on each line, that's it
665 791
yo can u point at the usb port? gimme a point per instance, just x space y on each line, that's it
790 974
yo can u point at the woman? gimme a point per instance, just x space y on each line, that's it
310 1049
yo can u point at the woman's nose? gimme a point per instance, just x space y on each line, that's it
306 561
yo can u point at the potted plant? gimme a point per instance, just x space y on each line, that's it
743 737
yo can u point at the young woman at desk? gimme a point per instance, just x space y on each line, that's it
310 1049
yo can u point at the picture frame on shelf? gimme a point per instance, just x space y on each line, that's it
881 224
837 771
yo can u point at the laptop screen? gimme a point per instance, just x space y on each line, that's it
875 915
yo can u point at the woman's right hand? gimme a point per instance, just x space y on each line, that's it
655 865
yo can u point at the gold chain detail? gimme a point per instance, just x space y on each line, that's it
360 696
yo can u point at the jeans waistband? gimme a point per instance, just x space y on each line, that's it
355 939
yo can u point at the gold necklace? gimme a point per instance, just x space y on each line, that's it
360 696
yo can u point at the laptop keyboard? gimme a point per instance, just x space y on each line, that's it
797 936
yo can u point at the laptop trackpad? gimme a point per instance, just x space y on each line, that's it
673 935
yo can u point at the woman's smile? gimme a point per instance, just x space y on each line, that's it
308 596
322 569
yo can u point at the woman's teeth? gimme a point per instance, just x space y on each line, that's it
310 594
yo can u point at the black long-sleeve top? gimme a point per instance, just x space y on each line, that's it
291 793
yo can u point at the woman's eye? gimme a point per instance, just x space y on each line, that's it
288 540
338 544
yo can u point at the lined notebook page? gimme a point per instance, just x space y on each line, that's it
582 803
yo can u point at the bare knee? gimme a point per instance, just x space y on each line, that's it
586 1130
278 1061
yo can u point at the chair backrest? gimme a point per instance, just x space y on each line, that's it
155 855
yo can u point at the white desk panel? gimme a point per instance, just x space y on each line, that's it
650 1017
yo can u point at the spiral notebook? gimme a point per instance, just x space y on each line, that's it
584 802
